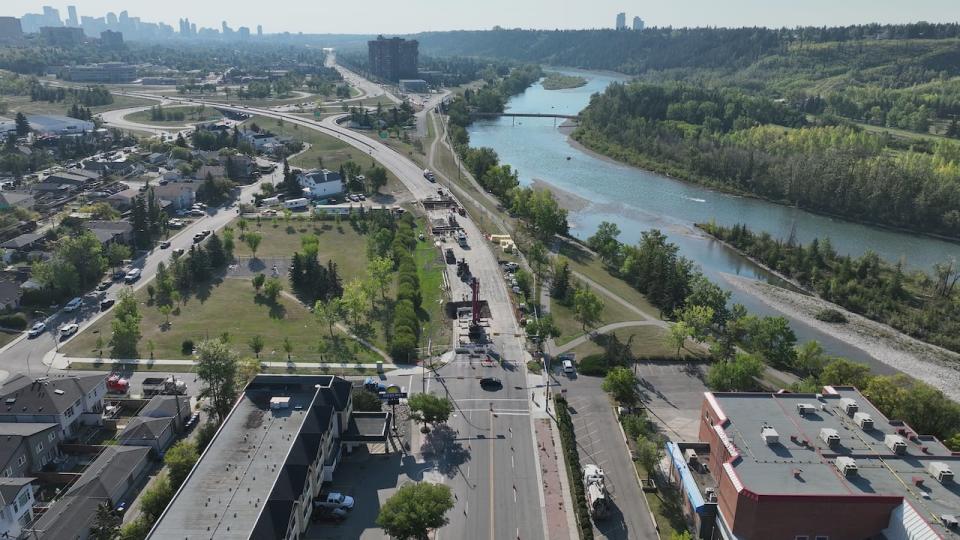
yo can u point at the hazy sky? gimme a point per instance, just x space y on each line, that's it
408 16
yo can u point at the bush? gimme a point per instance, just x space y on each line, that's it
595 365
568 440
403 348
187 347
831 315
534 366
365 400
16 321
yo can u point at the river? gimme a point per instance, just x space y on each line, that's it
638 200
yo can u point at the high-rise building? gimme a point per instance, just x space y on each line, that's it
621 21
111 40
51 16
111 19
393 59
10 30
637 23
243 32
59 36
72 19
259 30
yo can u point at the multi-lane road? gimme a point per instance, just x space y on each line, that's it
489 457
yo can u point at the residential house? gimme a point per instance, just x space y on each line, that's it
180 195
320 184
10 293
109 479
25 448
123 200
157 158
259 140
173 176
164 406
75 181
69 401
110 231
16 505
216 171
15 199
154 433
25 242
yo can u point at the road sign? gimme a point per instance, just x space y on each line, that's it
316 113
392 394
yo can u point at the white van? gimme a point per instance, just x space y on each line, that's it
568 366
132 275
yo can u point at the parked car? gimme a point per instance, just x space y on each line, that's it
335 500
104 285
106 303
491 383
73 305
322 513
165 244
132 276
36 329
69 330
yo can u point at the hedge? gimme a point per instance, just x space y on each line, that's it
595 364
568 440
15 322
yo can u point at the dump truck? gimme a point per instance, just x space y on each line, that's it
598 500
117 385
153 386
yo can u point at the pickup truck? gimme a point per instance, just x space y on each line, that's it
153 386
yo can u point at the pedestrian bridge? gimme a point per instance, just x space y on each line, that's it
515 115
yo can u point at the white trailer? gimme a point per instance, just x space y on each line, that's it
296 204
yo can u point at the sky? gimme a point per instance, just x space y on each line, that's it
411 16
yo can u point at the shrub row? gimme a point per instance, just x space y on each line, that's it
406 323
568 440
15 321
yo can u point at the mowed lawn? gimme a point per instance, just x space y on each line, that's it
190 115
338 241
23 104
231 307
570 328
430 265
648 341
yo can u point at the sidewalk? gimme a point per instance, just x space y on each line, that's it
559 513
61 361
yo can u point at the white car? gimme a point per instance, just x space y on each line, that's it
336 500
73 305
36 329
69 330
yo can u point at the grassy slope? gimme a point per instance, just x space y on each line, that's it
209 115
23 104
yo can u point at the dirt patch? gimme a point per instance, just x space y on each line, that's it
567 200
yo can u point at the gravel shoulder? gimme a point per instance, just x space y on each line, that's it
933 365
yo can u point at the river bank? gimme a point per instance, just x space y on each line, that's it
933 365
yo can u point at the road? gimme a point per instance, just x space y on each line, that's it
498 474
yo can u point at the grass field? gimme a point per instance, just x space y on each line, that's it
648 341
23 104
430 266
583 262
191 114
563 316
230 306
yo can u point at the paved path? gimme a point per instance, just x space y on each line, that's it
560 520
64 361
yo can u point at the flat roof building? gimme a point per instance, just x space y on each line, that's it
61 36
108 72
265 465
786 465
10 30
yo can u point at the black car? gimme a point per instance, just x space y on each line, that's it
451 258
106 303
491 382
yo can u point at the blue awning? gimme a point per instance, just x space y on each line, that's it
686 478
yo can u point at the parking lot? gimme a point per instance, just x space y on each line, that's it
370 479
673 394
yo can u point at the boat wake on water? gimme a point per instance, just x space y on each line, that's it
694 199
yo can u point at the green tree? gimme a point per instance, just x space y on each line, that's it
106 523
355 303
677 336
165 310
621 384
179 460
699 320
272 288
247 369
22 125
737 375
773 339
258 281
605 242
380 270
256 344
117 253
841 371
365 400
287 347
137 529
587 307
328 313
154 499
414 510
377 178
125 326
810 359
648 454
429 409
253 239
217 369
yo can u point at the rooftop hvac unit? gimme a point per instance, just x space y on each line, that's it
710 494
863 420
279 403
849 406
895 443
805 408
941 471
830 437
846 465
770 435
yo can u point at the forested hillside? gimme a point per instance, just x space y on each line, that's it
754 145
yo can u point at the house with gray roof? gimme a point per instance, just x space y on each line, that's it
110 231
25 448
108 479
16 505
165 406
68 401
15 199
154 433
